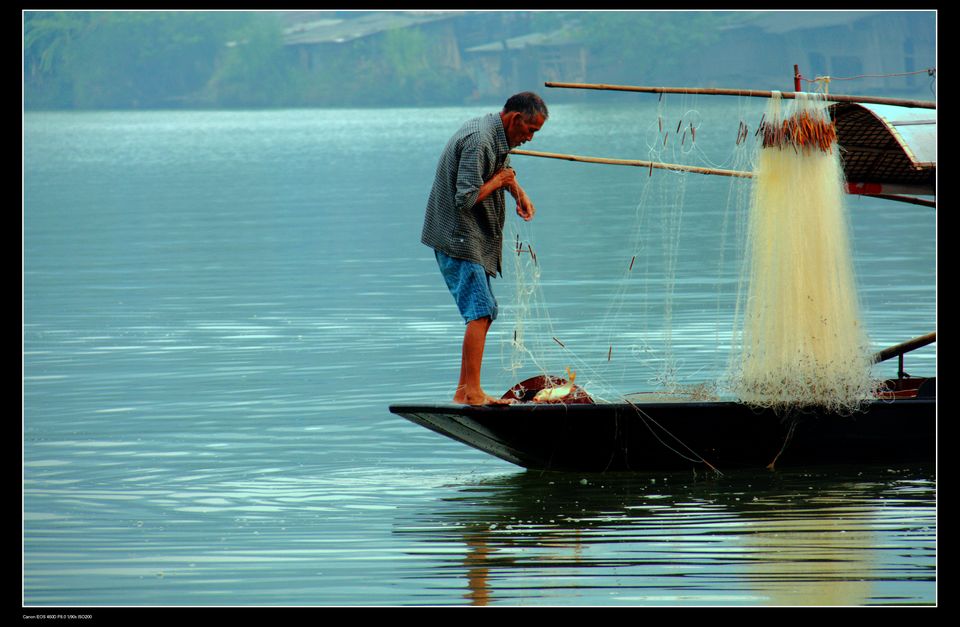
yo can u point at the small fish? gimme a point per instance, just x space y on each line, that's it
548 395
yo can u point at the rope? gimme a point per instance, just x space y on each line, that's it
928 71
823 82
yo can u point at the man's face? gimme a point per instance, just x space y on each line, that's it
520 128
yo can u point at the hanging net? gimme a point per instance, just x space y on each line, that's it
801 339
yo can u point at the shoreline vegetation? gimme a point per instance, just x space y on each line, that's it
145 60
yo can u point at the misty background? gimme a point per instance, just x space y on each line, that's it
263 59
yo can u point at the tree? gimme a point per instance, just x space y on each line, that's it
48 38
252 69
653 45
123 59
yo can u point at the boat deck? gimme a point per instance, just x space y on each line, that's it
676 435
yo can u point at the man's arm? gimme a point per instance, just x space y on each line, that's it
525 208
472 190
506 178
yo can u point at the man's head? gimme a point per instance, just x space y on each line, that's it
523 115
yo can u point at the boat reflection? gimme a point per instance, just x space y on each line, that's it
826 538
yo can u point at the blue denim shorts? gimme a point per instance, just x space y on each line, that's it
470 285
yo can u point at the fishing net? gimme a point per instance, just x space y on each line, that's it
790 333
801 341
632 342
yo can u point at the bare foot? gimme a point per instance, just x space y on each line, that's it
479 398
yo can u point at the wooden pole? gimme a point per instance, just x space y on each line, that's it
905 347
635 163
697 170
754 93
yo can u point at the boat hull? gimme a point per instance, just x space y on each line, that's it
683 435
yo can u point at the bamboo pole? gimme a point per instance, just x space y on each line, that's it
699 170
755 93
905 347
635 163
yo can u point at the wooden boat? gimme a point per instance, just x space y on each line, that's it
654 435
643 433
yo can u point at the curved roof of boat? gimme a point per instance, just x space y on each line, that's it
887 144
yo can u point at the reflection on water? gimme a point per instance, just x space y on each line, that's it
289 536
825 538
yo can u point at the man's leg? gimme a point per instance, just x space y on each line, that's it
470 286
469 391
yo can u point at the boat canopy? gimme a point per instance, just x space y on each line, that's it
887 148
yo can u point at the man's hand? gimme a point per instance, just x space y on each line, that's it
508 180
525 208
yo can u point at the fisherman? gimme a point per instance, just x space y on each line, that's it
465 217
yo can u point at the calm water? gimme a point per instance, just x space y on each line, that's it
219 306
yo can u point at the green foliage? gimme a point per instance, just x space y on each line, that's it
409 73
122 59
169 59
48 38
632 44
404 52
252 70
399 68
165 59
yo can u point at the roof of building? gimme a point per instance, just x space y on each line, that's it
554 38
780 22
333 29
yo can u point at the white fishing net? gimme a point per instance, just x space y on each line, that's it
801 337
796 338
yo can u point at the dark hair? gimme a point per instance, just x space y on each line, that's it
527 103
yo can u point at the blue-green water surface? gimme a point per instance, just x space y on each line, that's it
219 307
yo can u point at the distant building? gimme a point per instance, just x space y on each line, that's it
487 55
525 62
315 37
493 50
883 49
